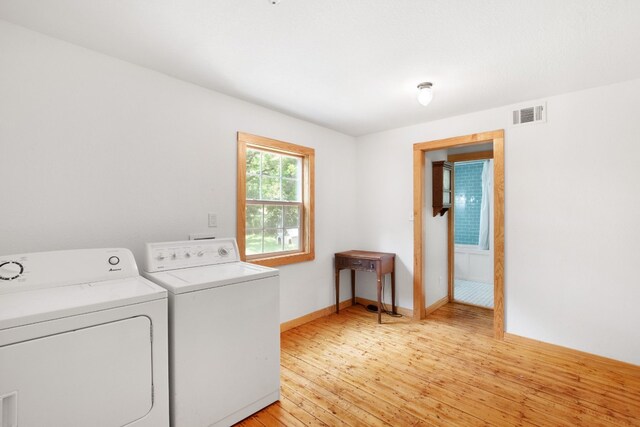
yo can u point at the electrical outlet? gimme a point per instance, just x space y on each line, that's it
213 220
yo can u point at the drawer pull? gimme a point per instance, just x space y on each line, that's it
357 262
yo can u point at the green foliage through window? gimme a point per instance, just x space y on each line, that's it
273 226
273 176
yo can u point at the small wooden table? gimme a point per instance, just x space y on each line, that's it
379 262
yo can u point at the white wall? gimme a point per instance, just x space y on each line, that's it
571 215
435 238
385 214
97 152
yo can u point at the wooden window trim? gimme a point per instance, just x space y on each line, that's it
246 140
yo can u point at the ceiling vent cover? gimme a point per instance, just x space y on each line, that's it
530 114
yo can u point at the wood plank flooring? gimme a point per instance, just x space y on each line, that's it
346 370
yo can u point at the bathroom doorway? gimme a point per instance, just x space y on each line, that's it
471 245
421 235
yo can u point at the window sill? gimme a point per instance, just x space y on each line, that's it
274 261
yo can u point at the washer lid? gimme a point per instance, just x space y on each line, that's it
210 276
40 305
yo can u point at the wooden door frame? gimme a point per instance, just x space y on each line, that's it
454 158
419 149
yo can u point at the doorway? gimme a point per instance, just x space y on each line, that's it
470 227
496 138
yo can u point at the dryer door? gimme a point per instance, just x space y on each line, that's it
95 376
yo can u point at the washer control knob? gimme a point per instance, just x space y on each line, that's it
223 252
174 256
200 253
114 260
160 257
10 270
187 255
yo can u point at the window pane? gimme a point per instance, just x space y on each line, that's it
253 162
253 187
254 242
291 239
291 190
273 216
271 164
291 166
254 216
273 209
270 188
273 240
291 216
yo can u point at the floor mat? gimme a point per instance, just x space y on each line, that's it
476 293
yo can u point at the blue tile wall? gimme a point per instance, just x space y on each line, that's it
468 198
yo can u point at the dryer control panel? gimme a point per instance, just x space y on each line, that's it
23 272
190 253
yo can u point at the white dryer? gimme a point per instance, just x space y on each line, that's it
224 331
83 341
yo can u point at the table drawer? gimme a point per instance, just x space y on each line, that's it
355 264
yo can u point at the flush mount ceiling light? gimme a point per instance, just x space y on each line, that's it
425 93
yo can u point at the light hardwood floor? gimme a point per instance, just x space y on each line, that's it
444 371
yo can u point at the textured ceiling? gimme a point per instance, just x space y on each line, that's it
353 65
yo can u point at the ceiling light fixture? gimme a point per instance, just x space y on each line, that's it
425 94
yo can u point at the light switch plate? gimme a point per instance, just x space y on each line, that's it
213 220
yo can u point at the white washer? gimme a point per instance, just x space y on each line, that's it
224 331
83 341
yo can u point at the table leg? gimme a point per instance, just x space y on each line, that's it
353 287
393 291
379 298
337 290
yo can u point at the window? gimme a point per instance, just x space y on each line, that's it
275 201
